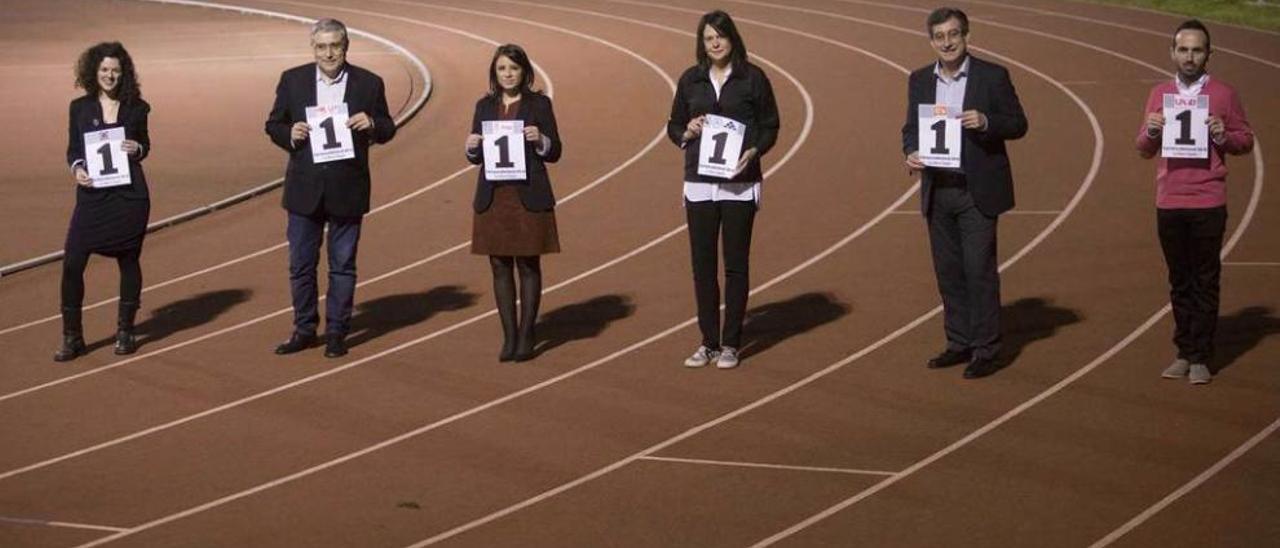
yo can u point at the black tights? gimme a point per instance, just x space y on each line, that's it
73 267
517 336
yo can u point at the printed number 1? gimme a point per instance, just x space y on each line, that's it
718 156
330 136
504 154
940 137
108 168
1185 137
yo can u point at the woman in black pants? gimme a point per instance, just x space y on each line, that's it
723 84
515 222
108 220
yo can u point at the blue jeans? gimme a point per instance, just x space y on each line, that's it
304 233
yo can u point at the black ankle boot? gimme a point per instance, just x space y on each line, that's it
72 335
126 343
72 348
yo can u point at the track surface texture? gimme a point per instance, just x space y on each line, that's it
831 433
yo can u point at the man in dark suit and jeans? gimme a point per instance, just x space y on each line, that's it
962 204
333 193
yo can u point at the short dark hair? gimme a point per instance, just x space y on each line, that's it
723 24
1194 24
942 15
126 90
329 24
516 54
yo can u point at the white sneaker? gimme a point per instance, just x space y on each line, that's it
728 358
702 356
1177 369
1200 374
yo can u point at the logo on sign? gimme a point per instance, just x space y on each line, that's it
940 110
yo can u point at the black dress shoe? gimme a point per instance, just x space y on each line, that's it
335 347
949 358
297 342
980 367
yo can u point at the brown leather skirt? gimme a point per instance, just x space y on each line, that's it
507 229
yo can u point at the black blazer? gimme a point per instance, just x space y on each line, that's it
340 187
86 116
535 194
747 96
983 157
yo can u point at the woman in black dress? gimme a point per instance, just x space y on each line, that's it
726 85
110 220
515 221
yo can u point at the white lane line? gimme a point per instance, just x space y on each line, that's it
1240 229
1243 263
1255 197
550 88
64 524
800 140
853 471
1116 81
1085 185
1187 487
165 426
1014 28
546 78
400 120
916 212
211 59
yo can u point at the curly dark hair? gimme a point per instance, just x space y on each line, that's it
126 90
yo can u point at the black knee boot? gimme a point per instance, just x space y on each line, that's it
72 335
125 341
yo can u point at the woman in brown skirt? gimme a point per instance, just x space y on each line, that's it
515 221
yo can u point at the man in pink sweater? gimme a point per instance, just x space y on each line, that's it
1191 192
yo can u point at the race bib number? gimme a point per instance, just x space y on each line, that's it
504 150
721 146
105 158
939 135
330 137
1186 131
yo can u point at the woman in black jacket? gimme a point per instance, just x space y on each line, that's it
515 221
108 220
723 84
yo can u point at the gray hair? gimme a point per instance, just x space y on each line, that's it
329 24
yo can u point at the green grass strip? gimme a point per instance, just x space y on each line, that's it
1257 14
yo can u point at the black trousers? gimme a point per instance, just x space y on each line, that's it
963 242
707 221
1192 244
73 267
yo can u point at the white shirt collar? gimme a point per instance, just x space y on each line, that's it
1194 88
962 73
341 78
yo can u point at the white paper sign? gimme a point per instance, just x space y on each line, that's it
1186 133
504 150
721 146
330 137
939 135
105 158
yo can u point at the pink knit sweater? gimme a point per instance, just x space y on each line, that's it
1183 183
